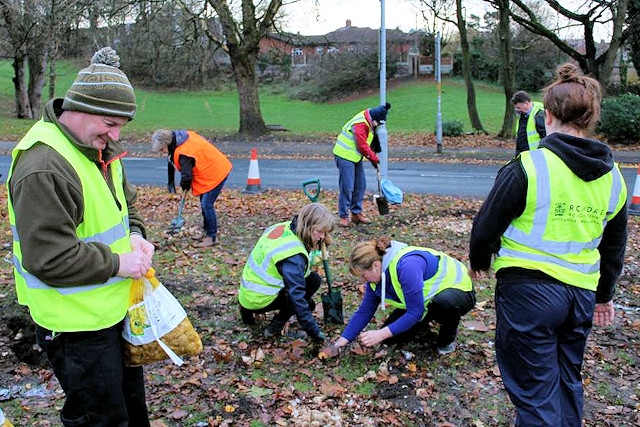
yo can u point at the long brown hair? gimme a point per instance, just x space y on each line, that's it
364 254
314 216
573 98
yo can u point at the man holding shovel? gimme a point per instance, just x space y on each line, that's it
203 168
355 142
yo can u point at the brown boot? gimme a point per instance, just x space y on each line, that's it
359 218
205 243
344 222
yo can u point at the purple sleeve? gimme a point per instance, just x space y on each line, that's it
412 272
363 314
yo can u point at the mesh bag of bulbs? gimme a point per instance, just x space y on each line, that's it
156 326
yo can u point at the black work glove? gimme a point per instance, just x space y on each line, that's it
185 184
171 177
320 338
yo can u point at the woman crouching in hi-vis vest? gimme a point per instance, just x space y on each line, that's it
420 284
556 219
278 276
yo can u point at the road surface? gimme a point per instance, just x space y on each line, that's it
462 179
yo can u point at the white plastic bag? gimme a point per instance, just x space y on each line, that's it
156 318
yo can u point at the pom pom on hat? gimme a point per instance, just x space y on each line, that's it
379 113
102 88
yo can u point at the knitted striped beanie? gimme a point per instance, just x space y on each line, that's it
102 88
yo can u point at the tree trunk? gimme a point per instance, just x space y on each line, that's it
37 67
466 71
507 67
52 78
23 110
251 121
608 59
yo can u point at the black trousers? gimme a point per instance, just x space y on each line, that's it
446 309
283 303
100 390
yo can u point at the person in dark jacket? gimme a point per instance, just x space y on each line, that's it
278 276
203 169
530 128
79 241
556 222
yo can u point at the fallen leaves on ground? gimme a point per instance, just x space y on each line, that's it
242 379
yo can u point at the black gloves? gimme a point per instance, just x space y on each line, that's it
185 184
171 177
320 337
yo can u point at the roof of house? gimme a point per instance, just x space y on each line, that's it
346 35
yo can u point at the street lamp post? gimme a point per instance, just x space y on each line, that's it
439 97
381 131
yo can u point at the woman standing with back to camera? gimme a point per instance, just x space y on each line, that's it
556 219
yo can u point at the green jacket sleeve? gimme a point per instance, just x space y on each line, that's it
48 204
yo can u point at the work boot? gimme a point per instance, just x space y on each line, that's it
247 316
274 329
446 349
205 243
344 222
359 218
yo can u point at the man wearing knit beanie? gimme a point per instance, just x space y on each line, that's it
79 242
102 88
355 141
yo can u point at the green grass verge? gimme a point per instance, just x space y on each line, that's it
414 107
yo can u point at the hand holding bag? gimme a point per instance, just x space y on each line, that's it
156 326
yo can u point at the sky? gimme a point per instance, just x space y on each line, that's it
333 14
330 15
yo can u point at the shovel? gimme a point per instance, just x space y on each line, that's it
331 300
177 223
311 188
381 201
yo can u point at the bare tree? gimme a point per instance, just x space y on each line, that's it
599 63
34 28
633 25
442 9
243 24
507 72
22 20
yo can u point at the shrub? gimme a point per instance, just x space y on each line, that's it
620 121
452 127
336 76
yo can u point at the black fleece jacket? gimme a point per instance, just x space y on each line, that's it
589 159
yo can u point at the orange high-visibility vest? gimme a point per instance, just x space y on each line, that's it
212 166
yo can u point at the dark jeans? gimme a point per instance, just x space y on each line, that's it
207 204
100 390
446 308
353 185
284 304
541 335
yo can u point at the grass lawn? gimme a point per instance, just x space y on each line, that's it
414 106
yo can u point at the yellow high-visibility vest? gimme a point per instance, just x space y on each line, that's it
85 306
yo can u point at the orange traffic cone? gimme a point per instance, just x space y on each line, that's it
634 207
253 180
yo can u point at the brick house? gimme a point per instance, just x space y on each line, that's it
401 46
